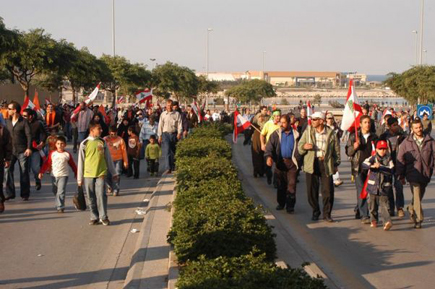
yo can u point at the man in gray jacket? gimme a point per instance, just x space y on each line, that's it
415 162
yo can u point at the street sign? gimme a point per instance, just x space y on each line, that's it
424 108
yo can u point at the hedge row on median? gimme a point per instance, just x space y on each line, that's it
220 237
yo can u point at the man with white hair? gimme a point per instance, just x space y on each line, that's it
321 152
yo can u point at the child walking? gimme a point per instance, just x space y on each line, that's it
379 184
58 161
133 152
152 155
94 164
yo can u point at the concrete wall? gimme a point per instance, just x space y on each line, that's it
10 92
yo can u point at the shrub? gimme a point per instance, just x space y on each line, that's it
220 226
202 147
213 129
244 272
191 170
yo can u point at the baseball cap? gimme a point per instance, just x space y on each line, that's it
318 114
381 145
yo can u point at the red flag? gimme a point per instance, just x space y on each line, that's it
144 95
103 112
352 110
240 124
27 104
309 112
36 103
75 114
364 192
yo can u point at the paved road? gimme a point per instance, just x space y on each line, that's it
40 248
351 254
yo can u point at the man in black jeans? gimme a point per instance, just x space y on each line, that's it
281 149
19 130
5 160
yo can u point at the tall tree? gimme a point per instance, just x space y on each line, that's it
251 91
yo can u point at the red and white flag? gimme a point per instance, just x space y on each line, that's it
309 112
197 111
75 113
352 110
120 99
386 112
91 97
27 104
363 194
240 124
144 95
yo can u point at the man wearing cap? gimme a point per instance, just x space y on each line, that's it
359 147
394 137
269 127
321 151
415 162
281 149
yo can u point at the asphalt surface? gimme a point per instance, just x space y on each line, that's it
352 255
40 248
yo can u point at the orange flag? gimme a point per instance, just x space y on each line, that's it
36 101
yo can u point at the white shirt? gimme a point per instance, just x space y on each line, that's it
59 163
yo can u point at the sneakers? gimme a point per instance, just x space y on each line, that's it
60 211
93 222
115 193
417 225
400 213
105 222
388 226
373 224
279 208
365 221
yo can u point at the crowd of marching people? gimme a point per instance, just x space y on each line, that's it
387 150
106 144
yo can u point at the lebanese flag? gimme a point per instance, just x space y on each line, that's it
197 111
309 112
386 112
36 103
144 95
75 113
93 94
27 104
352 110
120 99
364 192
240 124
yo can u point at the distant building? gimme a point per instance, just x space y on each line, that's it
358 78
303 78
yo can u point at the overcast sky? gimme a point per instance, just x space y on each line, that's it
368 36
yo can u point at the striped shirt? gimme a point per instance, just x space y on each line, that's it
320 147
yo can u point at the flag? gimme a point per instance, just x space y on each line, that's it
197 111
91 97
36 103
120 99
352 110
364 193
309 112
240 124
144 95
75 113
27 104
103 113
386 112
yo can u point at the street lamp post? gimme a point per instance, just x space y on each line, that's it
113 27
421 32
264 55
207 62
425 56
416 46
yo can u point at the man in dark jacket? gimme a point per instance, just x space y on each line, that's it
281 149
415 162
38 141
394 137
5 160
359 149
19 130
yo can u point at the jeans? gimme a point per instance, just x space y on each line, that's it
68 130
286 184
59 188
377 202
169 142
82 136
35 165
400 199
133 167
75 134
145 142
23 163
362 205
96 197
114 186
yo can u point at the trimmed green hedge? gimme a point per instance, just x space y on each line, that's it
203 147
244 272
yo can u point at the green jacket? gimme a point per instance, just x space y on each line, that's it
332 156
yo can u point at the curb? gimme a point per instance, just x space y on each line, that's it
173 262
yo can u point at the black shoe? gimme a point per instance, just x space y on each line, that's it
269 180
279 208
9 198
38 185
261 175
357 215
2 207
75 151
290 210
25 199
315 218
417 225
255 175
328 219
93 222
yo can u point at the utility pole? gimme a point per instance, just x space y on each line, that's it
421 33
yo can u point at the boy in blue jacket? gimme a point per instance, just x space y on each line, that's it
379 183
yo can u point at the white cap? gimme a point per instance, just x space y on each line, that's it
318 114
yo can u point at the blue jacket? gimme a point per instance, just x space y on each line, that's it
381 179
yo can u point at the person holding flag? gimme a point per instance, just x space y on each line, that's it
359 148
321 152
378 183
269 127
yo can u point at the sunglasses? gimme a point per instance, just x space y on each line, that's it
330 118
316 119
25 115
11 108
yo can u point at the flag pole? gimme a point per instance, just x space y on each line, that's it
255 128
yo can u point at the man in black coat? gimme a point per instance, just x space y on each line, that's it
19 130
5 160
